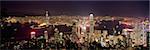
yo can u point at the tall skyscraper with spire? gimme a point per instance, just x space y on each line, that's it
46 13
47 18
91 23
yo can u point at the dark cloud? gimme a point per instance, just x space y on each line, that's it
115 8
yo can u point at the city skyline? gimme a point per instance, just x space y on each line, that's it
75 25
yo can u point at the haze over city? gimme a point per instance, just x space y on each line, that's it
82 8
75 25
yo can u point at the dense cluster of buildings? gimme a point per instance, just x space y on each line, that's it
79 29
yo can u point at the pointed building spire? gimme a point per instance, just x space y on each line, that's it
46 13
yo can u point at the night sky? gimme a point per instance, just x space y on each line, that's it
99 8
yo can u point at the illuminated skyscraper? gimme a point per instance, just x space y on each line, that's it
91 23
32 35
46 14
84 25
46 35
47 18
145 30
